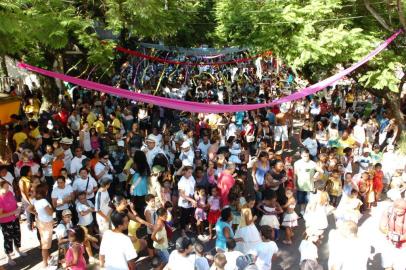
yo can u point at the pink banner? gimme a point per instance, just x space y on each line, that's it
190 106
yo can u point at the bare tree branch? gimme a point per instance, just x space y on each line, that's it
401 14
377 16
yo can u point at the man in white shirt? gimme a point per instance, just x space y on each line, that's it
116 249
265 251
86 183
66 144
102 207
231 255
186 153
152 149
179 258
76 163
304 170
104 168
347 251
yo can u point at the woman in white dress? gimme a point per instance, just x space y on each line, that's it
247 229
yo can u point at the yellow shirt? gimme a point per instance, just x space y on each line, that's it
117 125
99 126
19 138
35 133
91 118
349 142
132 231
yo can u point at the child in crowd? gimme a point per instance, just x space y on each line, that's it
215 211
378 181
200 212
290 217
271 209
334 188
74 255
150 217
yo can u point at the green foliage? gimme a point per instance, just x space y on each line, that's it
314 35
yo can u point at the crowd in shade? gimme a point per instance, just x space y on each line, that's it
115 180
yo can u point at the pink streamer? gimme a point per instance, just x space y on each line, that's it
202 107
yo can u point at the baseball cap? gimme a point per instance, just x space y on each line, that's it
66 212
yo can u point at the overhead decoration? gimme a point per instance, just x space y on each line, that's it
203 52
202 107
174 62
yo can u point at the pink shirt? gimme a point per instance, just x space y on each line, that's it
81 264
214 203
8 204
224 183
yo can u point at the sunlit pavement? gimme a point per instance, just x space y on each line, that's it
289 256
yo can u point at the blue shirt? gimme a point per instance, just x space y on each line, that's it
141 189
221 240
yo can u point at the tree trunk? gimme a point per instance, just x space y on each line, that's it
4 66
393 105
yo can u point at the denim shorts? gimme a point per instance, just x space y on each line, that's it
302 197
163 254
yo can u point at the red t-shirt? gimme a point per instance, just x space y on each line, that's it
8 204
225 182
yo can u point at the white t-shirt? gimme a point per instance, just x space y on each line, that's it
61 231
231 257
264 252
305 172
40 206
10 179
60 194
46 160
177 261
76 164
117 249
347 254
80 185
102 202
308 251
68 159
100 167
86 219
187 185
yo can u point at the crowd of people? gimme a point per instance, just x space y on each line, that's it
123 179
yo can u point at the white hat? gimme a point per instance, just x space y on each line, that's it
50 125
152 138
120 143
367 150
186 163
185 144
66 140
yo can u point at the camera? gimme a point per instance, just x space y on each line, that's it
394 237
